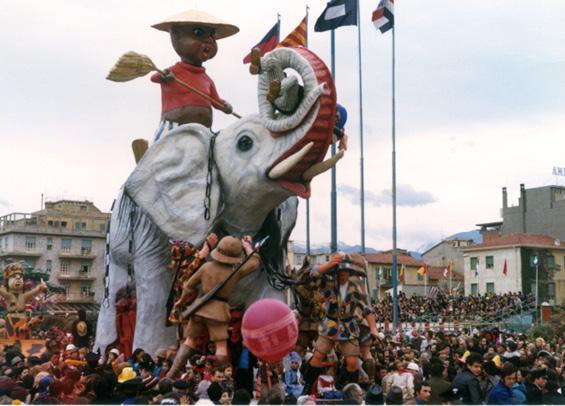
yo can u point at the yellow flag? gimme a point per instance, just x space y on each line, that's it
422 271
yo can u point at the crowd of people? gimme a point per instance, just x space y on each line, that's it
457 307
471 367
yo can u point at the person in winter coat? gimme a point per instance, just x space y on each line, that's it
502 393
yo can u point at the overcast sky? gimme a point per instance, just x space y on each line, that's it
480 104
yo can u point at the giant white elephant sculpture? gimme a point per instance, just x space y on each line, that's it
257 164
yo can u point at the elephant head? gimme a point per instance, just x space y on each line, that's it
249 168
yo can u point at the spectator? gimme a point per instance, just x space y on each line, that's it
534 391
423 393
352 394
467 381
502 393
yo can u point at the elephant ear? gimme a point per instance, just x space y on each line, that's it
169 183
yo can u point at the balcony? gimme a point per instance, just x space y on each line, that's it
76 275
72 254
80 298
22 252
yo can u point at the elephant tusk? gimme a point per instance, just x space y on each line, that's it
288 163
321 167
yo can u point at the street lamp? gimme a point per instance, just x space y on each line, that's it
535 262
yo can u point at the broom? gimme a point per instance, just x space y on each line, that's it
132 65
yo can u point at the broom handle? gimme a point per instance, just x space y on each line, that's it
199 93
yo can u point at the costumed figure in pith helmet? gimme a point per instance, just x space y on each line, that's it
214 314
13 294
339 328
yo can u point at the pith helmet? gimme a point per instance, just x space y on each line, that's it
228 251
223 29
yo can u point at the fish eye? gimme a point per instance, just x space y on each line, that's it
245 143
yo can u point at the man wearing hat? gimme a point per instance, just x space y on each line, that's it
215 314
193 35
342 296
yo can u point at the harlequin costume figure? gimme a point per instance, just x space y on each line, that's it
215 314
13 294
193 36
339 328
309 302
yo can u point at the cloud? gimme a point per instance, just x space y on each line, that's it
4 203
406 195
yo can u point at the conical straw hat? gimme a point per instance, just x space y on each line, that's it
223 29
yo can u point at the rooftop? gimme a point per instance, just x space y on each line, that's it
518 239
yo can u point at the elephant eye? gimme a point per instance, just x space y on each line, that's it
245 143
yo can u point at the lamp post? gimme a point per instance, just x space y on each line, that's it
535 261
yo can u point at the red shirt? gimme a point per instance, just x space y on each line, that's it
175 95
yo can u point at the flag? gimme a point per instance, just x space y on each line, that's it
477 269
505 269
383 16
379 272
423 270
268 43
402 272
447 270
432 294
337 14
298 36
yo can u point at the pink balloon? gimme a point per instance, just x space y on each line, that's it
269 329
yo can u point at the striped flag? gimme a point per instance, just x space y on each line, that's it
432 294
298 36
383 16
268 43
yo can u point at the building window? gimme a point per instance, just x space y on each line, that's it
48 265
551 290
103 227
29 263
85 290
419 277
489 262
65 267
490 287
473 263
85 247
30 243
474 289
66 244
49 243
50 223
84 266
550 261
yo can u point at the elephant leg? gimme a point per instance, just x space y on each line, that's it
153 282
106 332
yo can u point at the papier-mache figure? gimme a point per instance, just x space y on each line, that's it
342 296
214 315
13 294
193 36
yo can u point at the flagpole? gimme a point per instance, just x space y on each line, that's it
361 160
394 258
307 200
333 245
